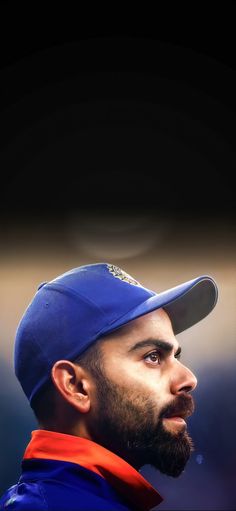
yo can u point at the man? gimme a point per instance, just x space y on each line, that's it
97 357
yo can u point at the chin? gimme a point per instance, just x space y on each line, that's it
171 469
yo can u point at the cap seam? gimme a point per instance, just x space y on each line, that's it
76 295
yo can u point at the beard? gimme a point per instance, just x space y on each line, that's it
126 423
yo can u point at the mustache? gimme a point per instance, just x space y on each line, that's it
183 406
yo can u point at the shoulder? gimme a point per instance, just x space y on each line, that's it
53 496
23 497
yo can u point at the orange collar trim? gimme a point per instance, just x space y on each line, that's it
126 479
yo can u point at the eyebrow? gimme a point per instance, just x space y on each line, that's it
157 343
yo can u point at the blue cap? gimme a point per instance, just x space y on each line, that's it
72 311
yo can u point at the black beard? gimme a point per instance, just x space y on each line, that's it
125 422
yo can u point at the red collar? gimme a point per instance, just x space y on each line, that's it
94 457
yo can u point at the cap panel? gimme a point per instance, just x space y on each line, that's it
54 327
108 289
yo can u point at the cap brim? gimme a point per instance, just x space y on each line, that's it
185 304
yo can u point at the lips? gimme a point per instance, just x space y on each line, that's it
183 414
176 420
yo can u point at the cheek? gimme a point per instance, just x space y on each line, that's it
137 379
137 371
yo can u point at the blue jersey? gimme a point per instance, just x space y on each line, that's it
67 473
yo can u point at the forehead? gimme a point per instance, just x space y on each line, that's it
154 325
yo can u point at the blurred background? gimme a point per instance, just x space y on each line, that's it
120 147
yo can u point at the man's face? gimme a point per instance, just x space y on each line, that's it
142 396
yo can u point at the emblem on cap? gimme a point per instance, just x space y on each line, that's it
122 275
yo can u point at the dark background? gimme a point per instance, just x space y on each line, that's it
122 113
98 108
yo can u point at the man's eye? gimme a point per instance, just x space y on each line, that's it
178 355
155 358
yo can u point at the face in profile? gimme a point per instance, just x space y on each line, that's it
143 396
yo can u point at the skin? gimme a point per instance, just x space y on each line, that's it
125 408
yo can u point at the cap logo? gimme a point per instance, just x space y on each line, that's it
122 275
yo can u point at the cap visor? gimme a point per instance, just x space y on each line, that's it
185 304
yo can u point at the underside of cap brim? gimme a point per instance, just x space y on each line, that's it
193 305
185 304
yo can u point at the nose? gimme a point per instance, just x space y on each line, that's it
183 380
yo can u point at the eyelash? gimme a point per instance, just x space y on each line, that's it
154 353
159 355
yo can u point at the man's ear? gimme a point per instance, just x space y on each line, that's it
72 383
